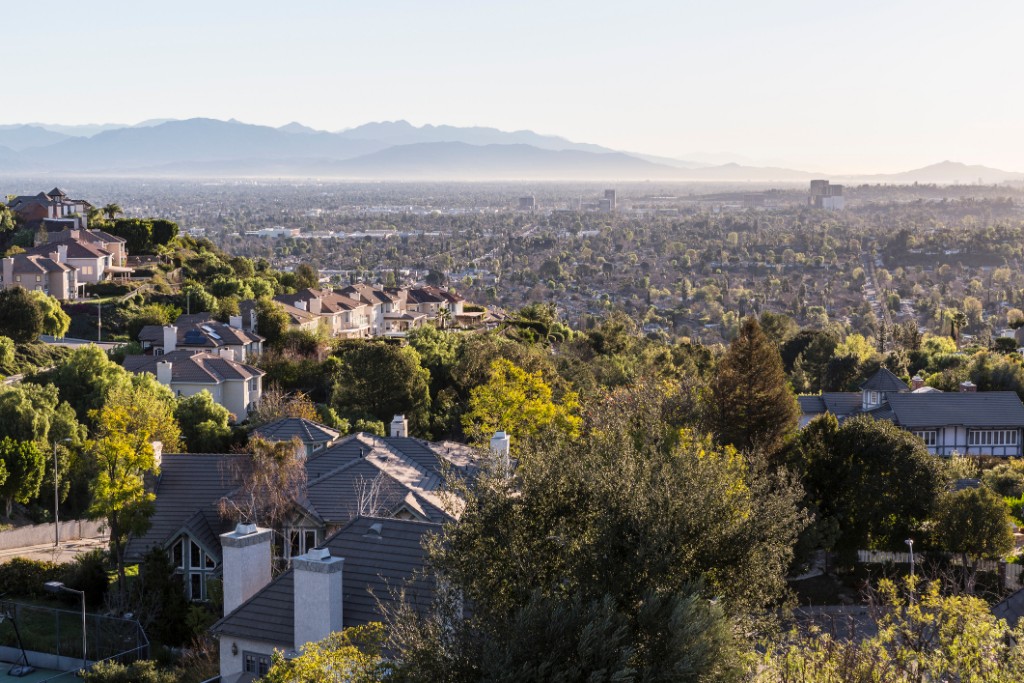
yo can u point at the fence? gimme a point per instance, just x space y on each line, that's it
41 534
1010 574
53 637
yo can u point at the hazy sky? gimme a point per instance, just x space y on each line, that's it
837 86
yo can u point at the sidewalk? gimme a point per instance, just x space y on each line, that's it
66 553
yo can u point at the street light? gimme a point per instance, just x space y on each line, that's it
56 497
910 544
57 587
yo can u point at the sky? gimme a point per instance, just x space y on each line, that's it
866 86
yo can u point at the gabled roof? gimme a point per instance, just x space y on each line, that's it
884 380
187 492
376 565
194 367
983 409
36 264
306 431
199 331
76 249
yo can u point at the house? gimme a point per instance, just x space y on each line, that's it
341 315
48 274
351 580
967 422
111 244
32 210
380 302
313 435
200 332
298 318
236 386
92 263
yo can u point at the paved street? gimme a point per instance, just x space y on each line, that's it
67 552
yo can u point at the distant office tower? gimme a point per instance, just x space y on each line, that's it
527 204
826 196
610 196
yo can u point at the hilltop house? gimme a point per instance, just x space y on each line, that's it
54 205
200 332
340 315
236 386
48 274
967 422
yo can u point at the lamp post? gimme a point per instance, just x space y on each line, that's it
56 497
910 544
57 587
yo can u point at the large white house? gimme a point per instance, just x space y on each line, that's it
967 422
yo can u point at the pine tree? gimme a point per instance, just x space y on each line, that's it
752 404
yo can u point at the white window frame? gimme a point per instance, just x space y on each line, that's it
929 436
993 437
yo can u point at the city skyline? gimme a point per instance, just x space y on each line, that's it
879 87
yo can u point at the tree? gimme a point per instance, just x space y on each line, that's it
752 404
141 405
55 321
349 656
875 481
276 404
976 524
380 380
203 422
112 211
306 277
519 403
273 480
7 223
142 671
23 463
20 316
271 321
83 379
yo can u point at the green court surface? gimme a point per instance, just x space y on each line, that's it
34 677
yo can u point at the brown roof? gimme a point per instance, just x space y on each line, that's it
194 367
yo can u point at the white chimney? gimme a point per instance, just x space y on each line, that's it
246 563
235 321
163 372
399 426
158 452
318 595
226 352
315 305
501 443
62 253
301 305
170 338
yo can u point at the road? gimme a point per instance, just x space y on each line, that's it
66 553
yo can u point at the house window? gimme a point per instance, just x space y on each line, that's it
194 565
301 541
256 663
992 437
927 436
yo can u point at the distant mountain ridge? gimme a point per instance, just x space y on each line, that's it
386 150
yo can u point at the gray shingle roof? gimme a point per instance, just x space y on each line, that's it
375 565
307 431
841 403
884 380
336 497
974 409
194 367
811 405
189 485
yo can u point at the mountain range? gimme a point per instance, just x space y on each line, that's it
382 150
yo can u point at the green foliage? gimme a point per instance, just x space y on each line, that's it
752 406
20 316
271 321
6 352
349 656
84 378
150 314
55 321
877 481
974 523
378 380
24 464
142 235
204 423
88 572
24 578
143 671
1006 479
158 598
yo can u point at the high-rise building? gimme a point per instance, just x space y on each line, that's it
527 204
823 195
610 196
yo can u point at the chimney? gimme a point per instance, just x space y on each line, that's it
170 338
158 452
163 372
226 353
62 253
315 305
246 563
968 387
235 321
916 382
501 443
317 595
301 305
399 426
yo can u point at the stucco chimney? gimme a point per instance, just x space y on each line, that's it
163 372
301 305
226 352
916 382
968 387
158 452
399 426
62 253
501 443
235 321
170 338
315 305
246 563
317 595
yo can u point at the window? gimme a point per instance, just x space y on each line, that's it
927 436
992 437
301 541
256 663
194 565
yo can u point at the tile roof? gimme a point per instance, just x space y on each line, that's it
884 380
194 367
195 331
187 493
376 565
971 409
76 249
307 431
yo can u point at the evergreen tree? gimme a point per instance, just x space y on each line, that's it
752 404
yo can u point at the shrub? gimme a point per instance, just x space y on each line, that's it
22 578
88 572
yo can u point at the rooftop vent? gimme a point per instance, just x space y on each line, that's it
319 554
376 530
245 529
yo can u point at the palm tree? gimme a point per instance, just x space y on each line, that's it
957 322
112 210
444 318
